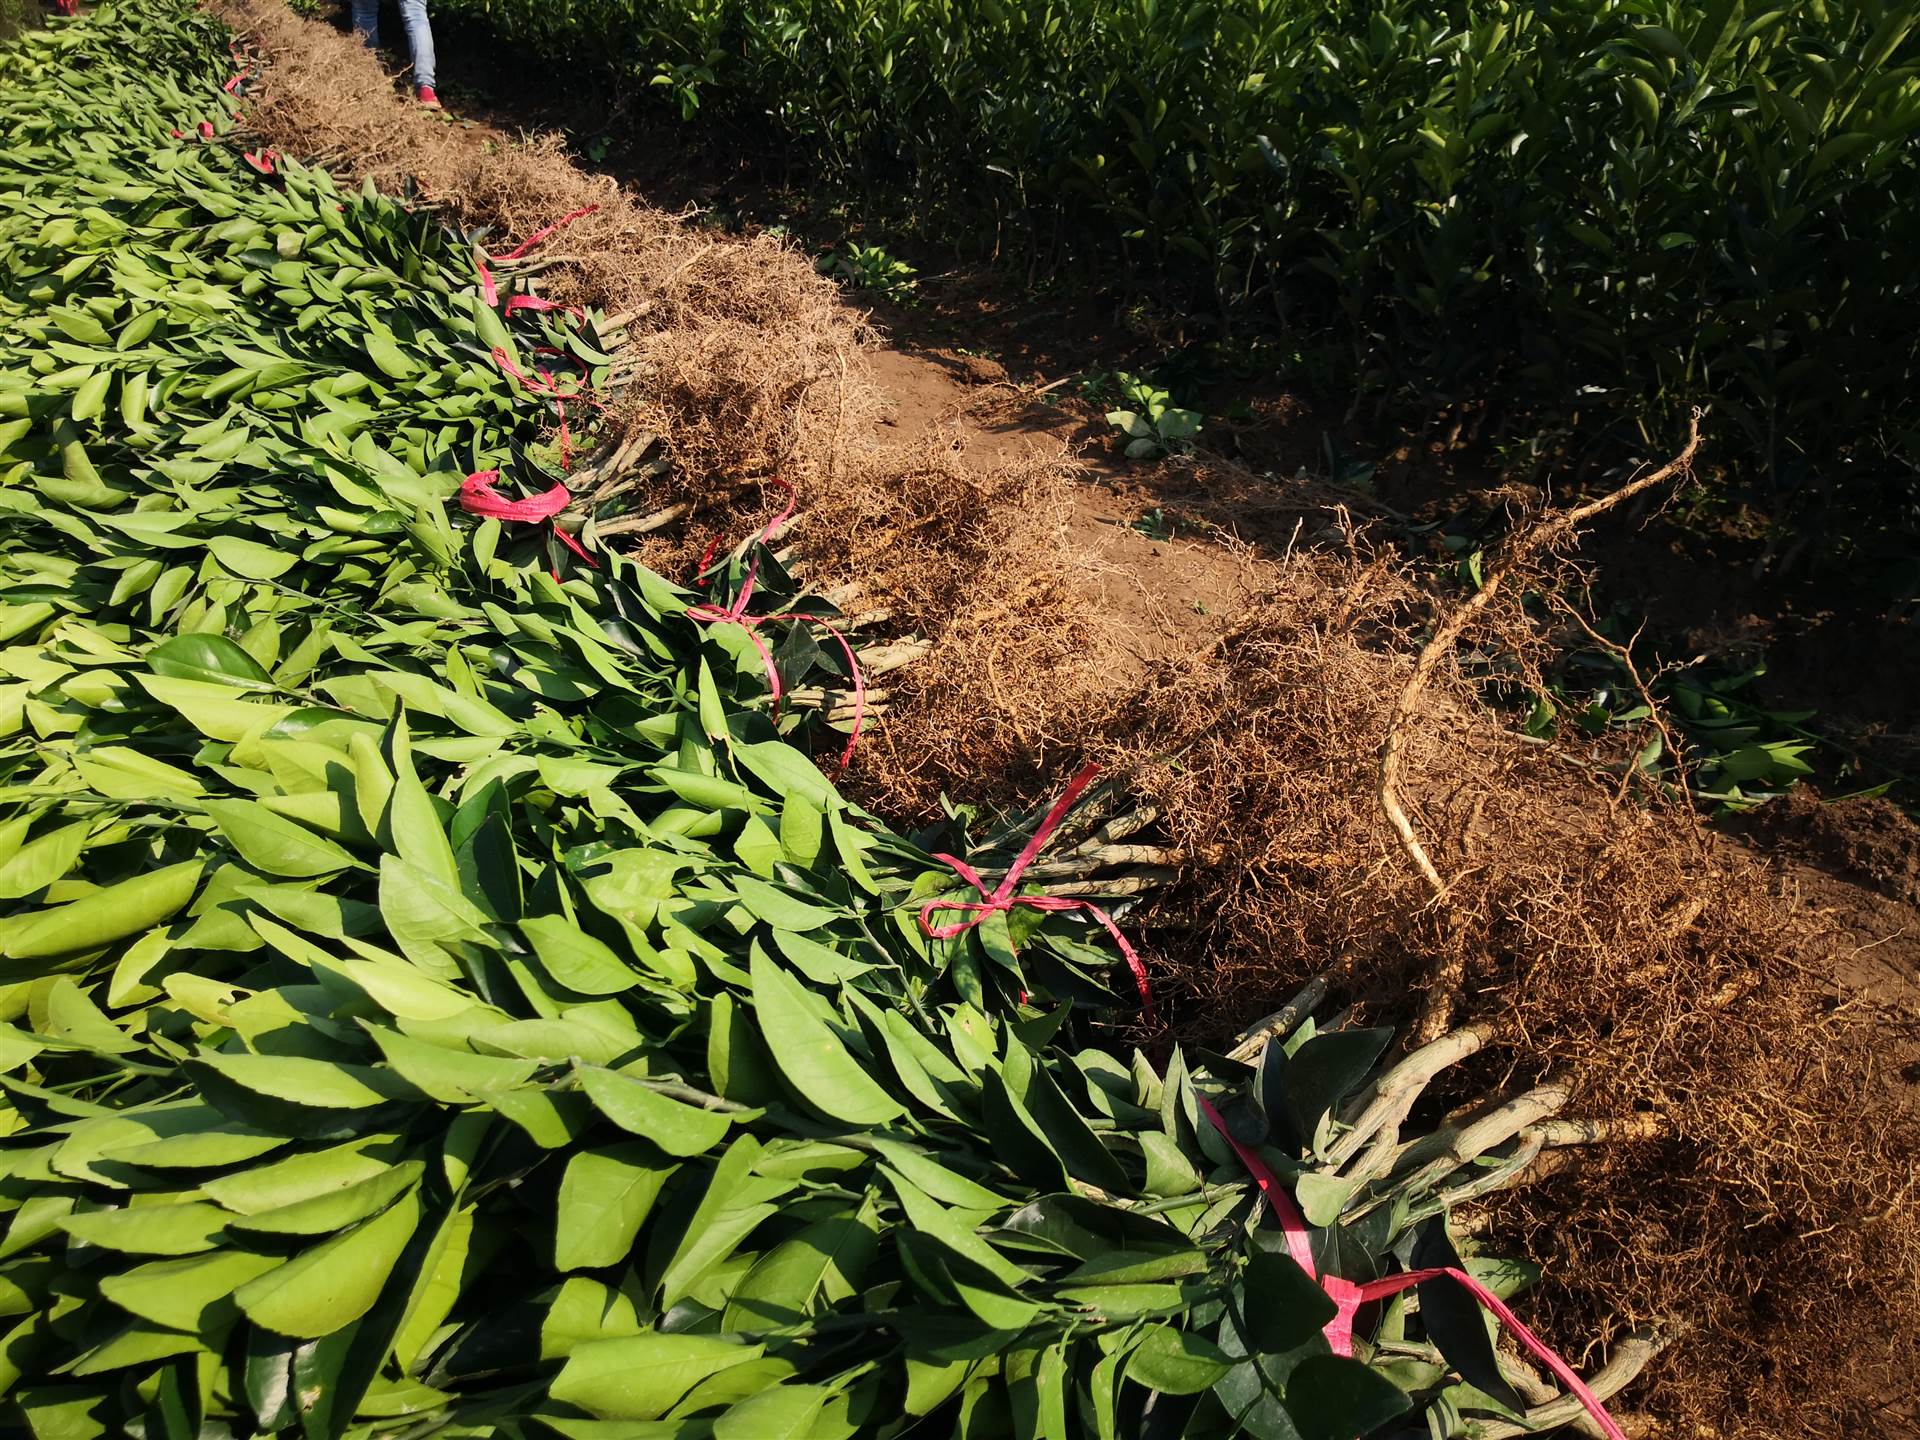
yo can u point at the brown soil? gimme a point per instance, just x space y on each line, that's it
1235 643
1869 842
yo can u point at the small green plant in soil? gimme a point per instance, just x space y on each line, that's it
872 270
1739 754
1344 468
1098 387
1156 526
1154 427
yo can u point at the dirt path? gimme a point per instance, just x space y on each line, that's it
1165 595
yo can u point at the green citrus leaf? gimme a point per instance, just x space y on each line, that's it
301 1081
641 1377
206 657
575 958
183 1229
1330 1397
1176 1362
605 1197
677 1128
104 917
179 1294
810 1056
334 1283
273 844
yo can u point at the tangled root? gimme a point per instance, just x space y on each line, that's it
1767 1209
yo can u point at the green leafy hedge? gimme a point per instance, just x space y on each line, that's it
1607 208
435 999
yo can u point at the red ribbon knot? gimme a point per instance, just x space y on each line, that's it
1348 1297
479 497
1001 899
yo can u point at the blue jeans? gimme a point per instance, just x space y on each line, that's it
413 14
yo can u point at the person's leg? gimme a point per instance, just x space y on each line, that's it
413 13
366 21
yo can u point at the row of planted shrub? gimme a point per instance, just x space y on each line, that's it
1596 210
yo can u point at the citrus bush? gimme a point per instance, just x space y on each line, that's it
1599 208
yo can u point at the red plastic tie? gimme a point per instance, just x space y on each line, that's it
548 231
206 129
1001 898
736 614
1348 1297
486 275
235 83
263 162
538 306
542 383
1293 1225
479 497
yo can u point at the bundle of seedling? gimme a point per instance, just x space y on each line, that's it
440 999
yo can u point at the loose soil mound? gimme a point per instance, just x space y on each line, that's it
1759 1190
1867 839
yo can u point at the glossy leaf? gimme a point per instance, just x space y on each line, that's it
605 1197
811 1058
672 1125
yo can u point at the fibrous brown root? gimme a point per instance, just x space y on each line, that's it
1754 1180
977 561
1442 986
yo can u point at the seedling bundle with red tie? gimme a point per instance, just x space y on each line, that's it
439 999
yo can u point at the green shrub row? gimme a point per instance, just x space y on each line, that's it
1584 208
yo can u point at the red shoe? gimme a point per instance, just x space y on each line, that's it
424 94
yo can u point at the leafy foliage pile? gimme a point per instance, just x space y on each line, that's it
1611 209
438 1001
